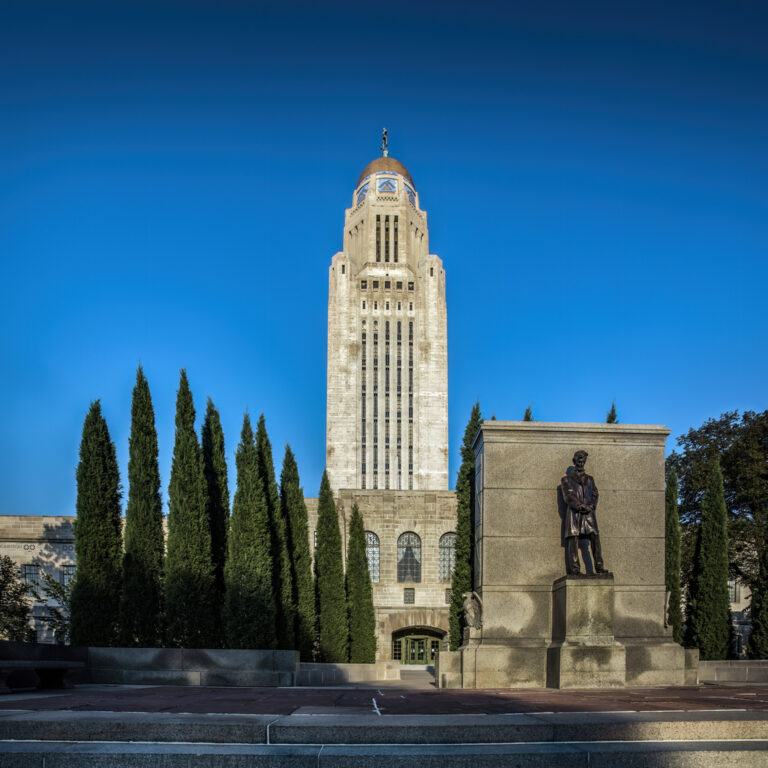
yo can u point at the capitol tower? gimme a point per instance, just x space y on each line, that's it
387 388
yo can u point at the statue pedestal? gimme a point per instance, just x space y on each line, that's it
584 652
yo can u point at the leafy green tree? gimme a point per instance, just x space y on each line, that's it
294 512
249 604
281 558
190 593
462 579
98 537
215 471
333 629
741 444
758 640
58 605
672 559
710 611
528 415
14 602
612 417
141 603
362 618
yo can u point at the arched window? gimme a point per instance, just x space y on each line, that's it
447 556
409 557
372 551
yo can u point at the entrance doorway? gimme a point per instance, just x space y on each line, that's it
416 645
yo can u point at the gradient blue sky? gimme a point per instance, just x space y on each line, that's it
173 179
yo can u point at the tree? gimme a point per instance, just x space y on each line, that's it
249 604
14 602
528 415
362 618
741 444
612 417
215 471
141 603
294 512
58 604
281 558
462 579
190 594
758 640
672 558
98 540
329 575
710 612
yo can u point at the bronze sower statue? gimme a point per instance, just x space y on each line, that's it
580 495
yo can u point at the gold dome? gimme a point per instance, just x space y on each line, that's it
385 164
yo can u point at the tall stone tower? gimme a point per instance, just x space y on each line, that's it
387 408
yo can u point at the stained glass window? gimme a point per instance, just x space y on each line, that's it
446 556
372 551
409 558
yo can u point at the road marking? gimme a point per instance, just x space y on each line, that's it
378 711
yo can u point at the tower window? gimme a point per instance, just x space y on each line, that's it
399 285
387 306
378 240
399 306
343 268
410 286
375 304
386 238
431 271
363 303
410 306
387 284
394 243
375 285
363 285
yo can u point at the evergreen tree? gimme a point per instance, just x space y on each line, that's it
215 470
281 558
141 604
98 537
462 580
294 512
249 604
710 615
758 641
190 593
362 618
329 574
672 559
612 417
528 415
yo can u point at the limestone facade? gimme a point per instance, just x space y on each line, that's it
389 515
387 385
39 544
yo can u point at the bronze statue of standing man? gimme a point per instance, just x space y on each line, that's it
580 496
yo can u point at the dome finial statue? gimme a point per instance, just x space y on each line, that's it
384 143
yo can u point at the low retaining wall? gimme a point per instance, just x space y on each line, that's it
339 674
737 671
192 666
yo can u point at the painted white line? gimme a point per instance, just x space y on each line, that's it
375 706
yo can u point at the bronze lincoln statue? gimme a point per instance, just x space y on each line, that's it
580 496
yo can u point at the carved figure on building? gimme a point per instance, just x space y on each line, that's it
580 496
472 611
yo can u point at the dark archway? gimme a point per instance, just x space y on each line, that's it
416 645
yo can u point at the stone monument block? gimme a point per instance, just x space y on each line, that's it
539 629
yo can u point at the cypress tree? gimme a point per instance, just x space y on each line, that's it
190 594
462 580
249 604
215 471
672 558
362 618
294 512
281 558
612 417
710 616
329 575
141 604
528 415
758 640
98 544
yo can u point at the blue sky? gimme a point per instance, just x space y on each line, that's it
173 179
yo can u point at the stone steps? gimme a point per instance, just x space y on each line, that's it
728 754
364 728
